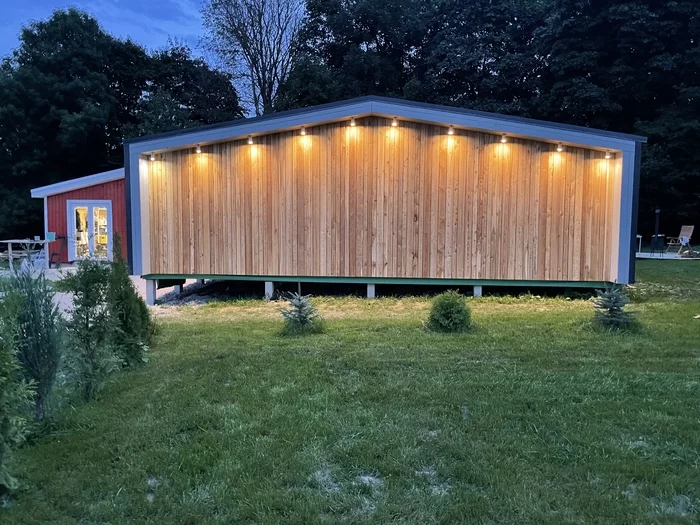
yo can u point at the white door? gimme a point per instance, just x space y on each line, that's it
89 229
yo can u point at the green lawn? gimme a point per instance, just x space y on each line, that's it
531 418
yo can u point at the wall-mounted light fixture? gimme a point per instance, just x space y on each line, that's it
451 130
153 157
250 139
608 155
198 149
504 139
395 122
560 147
352 121
302 132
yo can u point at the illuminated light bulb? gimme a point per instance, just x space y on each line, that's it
394 122
153 157
451 130
250 139
303 131
560 147
503 139
198 149
352 121
607 154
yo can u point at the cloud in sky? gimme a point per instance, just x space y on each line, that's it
147 22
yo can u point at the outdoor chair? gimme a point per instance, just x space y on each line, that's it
682 241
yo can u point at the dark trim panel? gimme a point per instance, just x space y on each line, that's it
407 103
127 189
383 280
635 211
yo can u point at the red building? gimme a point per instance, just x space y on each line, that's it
85 214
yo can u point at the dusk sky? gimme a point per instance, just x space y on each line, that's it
148 22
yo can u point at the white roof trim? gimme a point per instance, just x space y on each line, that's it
76 184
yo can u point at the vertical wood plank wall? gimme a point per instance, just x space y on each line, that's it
378 201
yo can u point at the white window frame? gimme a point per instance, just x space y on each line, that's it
71 204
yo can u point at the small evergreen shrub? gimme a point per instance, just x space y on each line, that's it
301 316
131 328
449 312
90 353
610 310
15 400
29 306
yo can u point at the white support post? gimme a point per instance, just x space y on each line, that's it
478 291
177 289
150 292
371 291
269 289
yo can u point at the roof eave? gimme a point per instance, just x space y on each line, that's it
372 105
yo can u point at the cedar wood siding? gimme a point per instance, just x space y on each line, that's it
378 201
56 208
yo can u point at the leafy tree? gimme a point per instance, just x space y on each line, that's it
62 95
71 92
29 307
630 66
15 398
349 49
481 54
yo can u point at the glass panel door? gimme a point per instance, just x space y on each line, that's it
82 232
101 235
91 234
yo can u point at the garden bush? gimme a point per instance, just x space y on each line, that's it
131 328
449 312
15 400
28 306
301 316
610 310
90 353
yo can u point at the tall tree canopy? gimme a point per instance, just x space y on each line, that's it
631 66
71 92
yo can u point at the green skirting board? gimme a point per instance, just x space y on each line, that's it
385 280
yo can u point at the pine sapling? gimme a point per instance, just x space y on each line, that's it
610 310
301 315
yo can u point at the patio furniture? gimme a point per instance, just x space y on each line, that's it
28 250
57 257
658 244
683 239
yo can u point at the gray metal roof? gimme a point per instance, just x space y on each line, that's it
408 104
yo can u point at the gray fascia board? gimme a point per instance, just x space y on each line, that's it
241 129
494 124
414 111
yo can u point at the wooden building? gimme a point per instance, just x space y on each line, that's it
378 191
84 215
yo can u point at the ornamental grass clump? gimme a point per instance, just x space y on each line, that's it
15 399
450 313
300 316
29 307
610 310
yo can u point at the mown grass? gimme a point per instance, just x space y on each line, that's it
532 417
